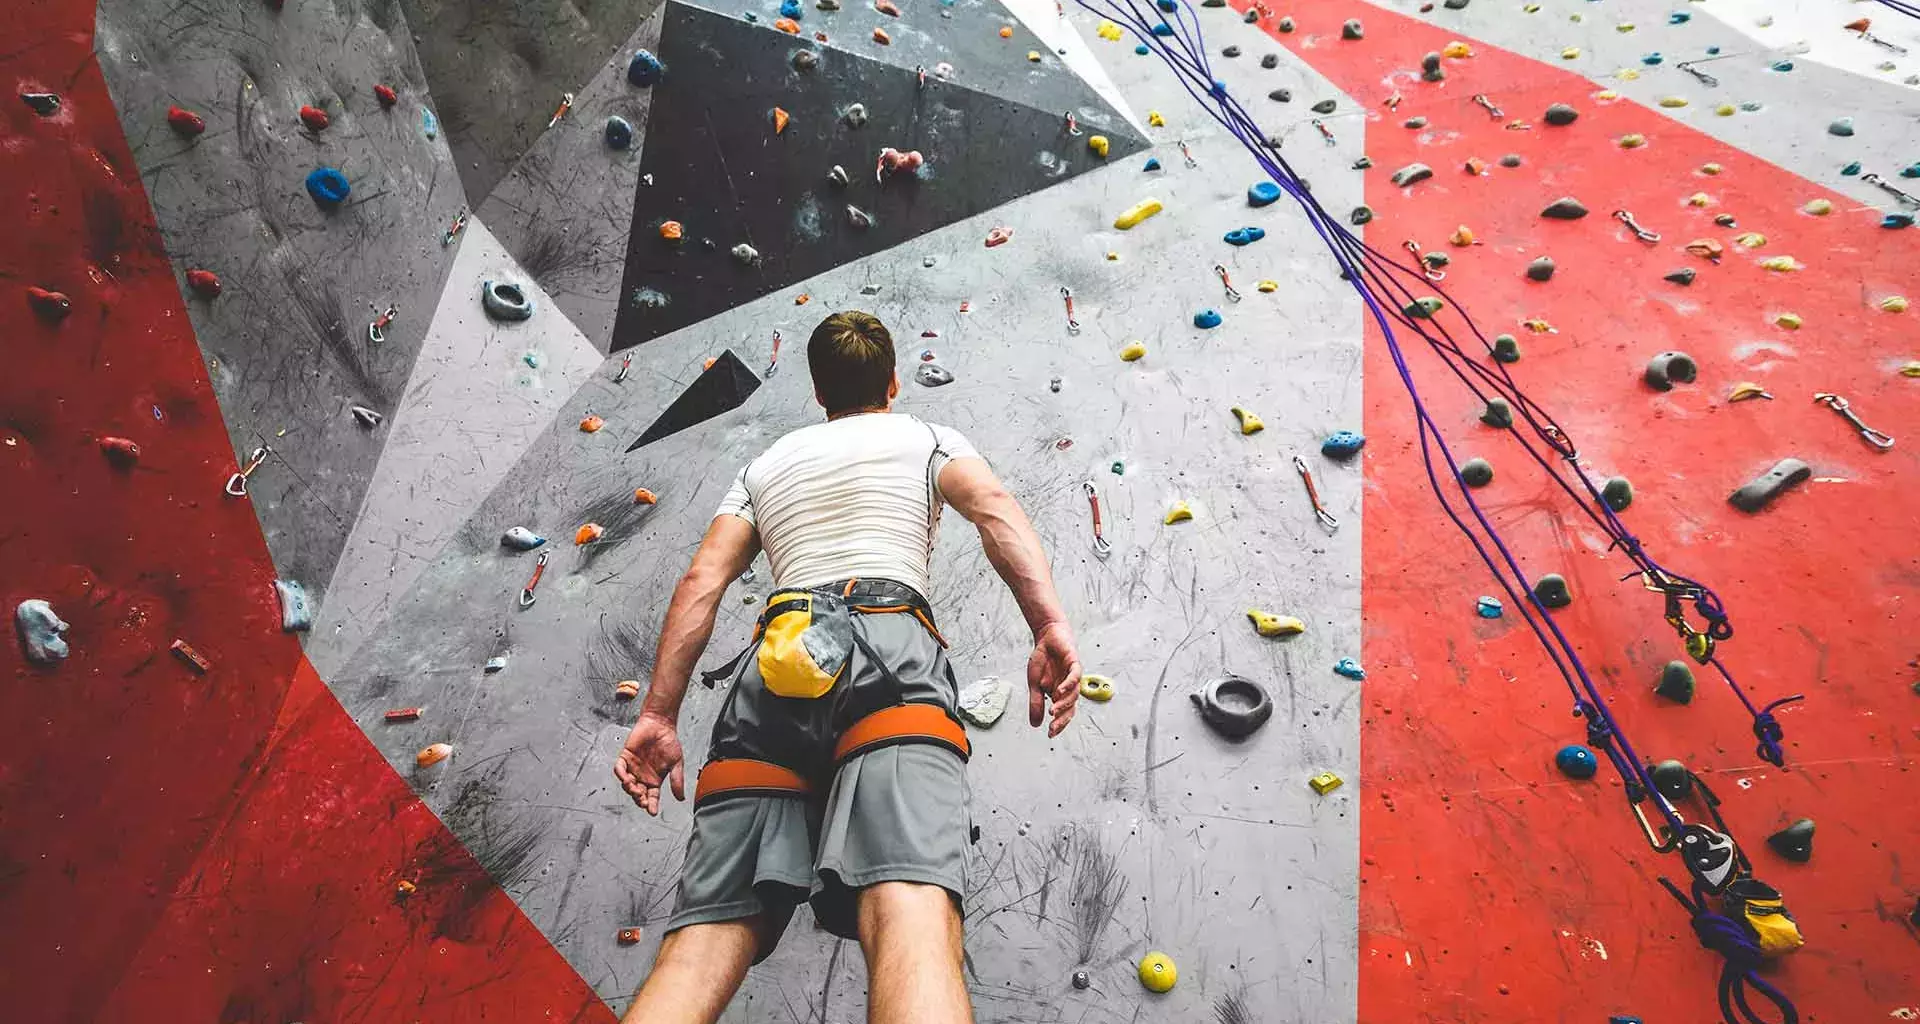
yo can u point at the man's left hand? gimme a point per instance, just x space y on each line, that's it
652 754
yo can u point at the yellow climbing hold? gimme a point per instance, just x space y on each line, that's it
1531 8
1033 56
1606 95
1818 207
1539 326
1699 199
1134 352
1911 369
1746 389
1791 321
1725 109
1098 688
1627 74
1709 169
1269 624
1570 53
1673 101
1632 141
1325 782
1457 50
1157 972
1179 513
1462 235
1249 423
1750 240
1577 18
1780 264
1154 119
1625 26
1108 31
1268 286
1099 145
1136 213
1113 257
1894 304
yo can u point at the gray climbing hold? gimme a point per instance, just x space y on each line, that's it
1415 122
1252 15
40 630
1270 61
1540 269
1676 682
1476 472
1672 779
1231 51
1617 492
1552 591
1506 349
1324 107
1423 307
1841 126
806 60
932 375
1233 706
1670 368
855 115
1795 842
1363 163
296 612
1564 208
1286 24
505 301
45 104
1352 29
1510 160
1280 95
859 218
1497 413
1430 68
837 175
1560 115
983 701
746 254
1436 260
1360 215
1454 5
519 538
1411 173
1683 276
1757 493
1725 220
366 417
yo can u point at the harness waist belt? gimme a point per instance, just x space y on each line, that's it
905 723
739 776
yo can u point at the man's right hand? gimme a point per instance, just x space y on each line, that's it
1053 678
652 754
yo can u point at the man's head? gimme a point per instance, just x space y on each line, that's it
851 357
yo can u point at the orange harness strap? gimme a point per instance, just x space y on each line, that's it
911 722
742 775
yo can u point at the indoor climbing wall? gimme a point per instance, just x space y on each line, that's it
384 363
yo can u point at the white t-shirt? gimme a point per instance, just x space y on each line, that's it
853 497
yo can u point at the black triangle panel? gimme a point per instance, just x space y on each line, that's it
719 169
722 387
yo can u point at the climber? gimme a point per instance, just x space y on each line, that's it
835 771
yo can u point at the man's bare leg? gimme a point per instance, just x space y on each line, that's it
698 970
911 935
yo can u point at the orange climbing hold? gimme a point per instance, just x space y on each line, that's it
628 936
780 119
671 230
314 118
432 754
592 424
1006 31
802 299
998 236
788 25
205 283
1476 166
1707 248
887 8
186 122
642 496
1858 25
1462 235
386 95
708 365
880 36
588 533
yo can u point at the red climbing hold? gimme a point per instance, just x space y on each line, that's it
186 122
52 305
205 283
880 36
314 118
887 8
121 452
386 95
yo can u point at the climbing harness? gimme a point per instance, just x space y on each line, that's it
626 366
773 363
1639 232
1427 270
1066 295
377 330
453 231
539 570
1888 187
1876 438
566 104
1326 133
1101 549
1313 495
1226 282
1486 101
237 483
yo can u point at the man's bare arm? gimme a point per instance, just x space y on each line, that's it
724 554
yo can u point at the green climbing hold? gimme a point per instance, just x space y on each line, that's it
1672 779
1506 349
1676 682
1424 307
1497 413
1552 591
1617 492
1476 473
1360 215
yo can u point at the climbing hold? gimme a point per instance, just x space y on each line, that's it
1673 102
642 496
670 230
1245 236
1564 208
1576 762
1675 682
1757 493
1098 145
1745 390
997 237
887 8
588 533
1841 126
1349 668
1540 269
1462 235
1152 164
1342 445
1707 248
314 118
1726 110
932 375
1475 166
1617 492
1157 972
429 124
1270 61
121 452
1360 215
1262 193
1286 24
1178 512
1231 51
1268 624
433 754
1096 688
1363 163
618 132
204 283
1108 30
1352 29
1780 264
519 538
1570 53
837 175
1560 115
1750 240
505 301
1897 219
1136 213
1456 50
1539 326
1489 607
1672 779
1415 123
1683 276
626 689
1424 307
1155 120
1476 472
386 95
592 424
1411 173
1790 321
1795 842
1497 413
1894 304
855 115
745 254
186 122
1206 319
1133 352
1249 423
1699 199
1710 168
1670 368
1506 349
296 612
1817 207
1552 591
1325 782
45 104
1281 95
880 36
644 69
1233 706
40 632
1324 107
1082 980
983 701
1632 140
327 186
1267 286
780 119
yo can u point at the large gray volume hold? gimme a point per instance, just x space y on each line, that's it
1757 493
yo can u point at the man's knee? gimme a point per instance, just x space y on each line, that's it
911 906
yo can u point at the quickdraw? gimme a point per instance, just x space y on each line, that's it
539 570
1888 187
1427 270
1066 295
1073 124
1891 47
1878 439
1101 549
1313 495
453 231
1639 232
1486 101
773 363
1187 154
377 330
1226 282
566 104
237 483
920 75
626 366
1705 79
1326 133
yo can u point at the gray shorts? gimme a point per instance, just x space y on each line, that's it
893 814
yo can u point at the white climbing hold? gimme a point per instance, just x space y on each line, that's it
983 701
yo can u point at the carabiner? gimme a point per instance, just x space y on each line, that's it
1427 270
1639 232
237 483
1101 549
1313 495
1225 282
1326 133
1486 101
1066 295
377 330
539 570
1878 439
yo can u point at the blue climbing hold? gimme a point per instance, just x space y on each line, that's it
790 9
1342 445
644 69
1219 89
328 186
429 123
1262 193
1206 319
752 18
1902 219
1153 164
1851 169
1141 49
1576 761
1163 29
1244 236
619 132
1349 668
1713 51
1783 65
1168 6
1679 18
1910 171
1652 58
1489 607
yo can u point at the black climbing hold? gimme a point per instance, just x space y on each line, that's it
1270 61
1560 115
1476 472
1352 29
1231 51
1286 24
1683 276
1324 107
505 301
1250 17
1670 368
1672 779
1082 980
1617 492
1725 220
45 104
1540 269
1436 260
1430 68
644 69
1510 160
1676 682
1454 5
1506 349
1415 122
619 132
1280 95
1497 413
1564 208
1423 308
1411 173
724 386
1761 490
1795 842
1360 215
805 60
1552 591
1363 163
1233 706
